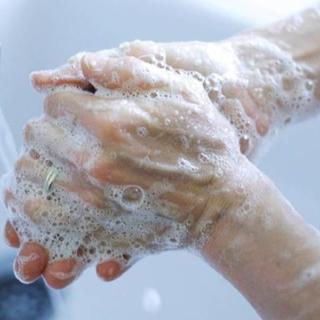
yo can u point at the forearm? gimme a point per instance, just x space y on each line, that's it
270 254
277 73
298 37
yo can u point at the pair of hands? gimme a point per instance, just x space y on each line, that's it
145 146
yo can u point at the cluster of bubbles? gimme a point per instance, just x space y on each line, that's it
130 225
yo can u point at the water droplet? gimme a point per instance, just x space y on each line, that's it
142 131
214 93
198 76
115 77
288 82
49 163
187 165
161 65
203 157
34 154
160 56
132 196
185 142
287 120
309 85
153 94
244 144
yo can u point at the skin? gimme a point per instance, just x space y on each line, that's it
267 251
189 195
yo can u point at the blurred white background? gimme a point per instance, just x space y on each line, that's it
39 34
258 12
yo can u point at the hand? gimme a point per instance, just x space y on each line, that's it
131 167
256 85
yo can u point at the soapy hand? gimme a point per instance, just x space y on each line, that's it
258 86
122 164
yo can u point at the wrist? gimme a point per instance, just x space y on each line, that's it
224 198
264 248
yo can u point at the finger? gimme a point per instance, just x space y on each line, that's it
30 262
112 122
73 181
262 125
95 114
109 270
190 56
11 236
103 168
69 74
45 134
10 201
131 170
64 76
148 51
129 166
60 274
130 73
37 207
121 73
109 127
261 120
38 211
243 112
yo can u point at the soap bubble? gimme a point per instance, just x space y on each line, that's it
132 196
